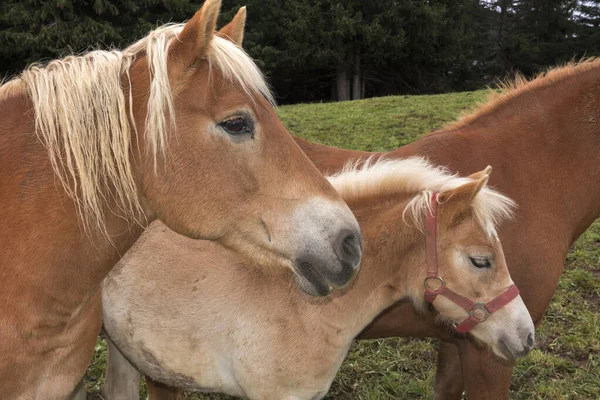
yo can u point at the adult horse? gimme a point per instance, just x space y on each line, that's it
543 139
179 127
249 336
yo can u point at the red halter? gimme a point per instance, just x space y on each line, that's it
478 312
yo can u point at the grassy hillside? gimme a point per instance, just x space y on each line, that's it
566 364
378 124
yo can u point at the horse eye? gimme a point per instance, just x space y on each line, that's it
480 262
235 126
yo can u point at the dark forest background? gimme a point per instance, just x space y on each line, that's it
322 50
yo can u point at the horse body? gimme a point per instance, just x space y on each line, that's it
543 140
239 333
93 148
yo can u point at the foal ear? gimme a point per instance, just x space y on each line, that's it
194 40
234 31
478 175
463 195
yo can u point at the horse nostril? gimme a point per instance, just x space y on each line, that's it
312 282
349 247
530 341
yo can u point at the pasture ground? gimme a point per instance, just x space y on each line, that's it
566 361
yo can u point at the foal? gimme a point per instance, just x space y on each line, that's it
194 315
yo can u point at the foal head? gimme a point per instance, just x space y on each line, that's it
467 280
436 233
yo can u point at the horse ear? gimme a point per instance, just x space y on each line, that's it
234 30
478 175
462 197
194 40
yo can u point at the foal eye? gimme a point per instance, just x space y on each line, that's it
480 262
236 126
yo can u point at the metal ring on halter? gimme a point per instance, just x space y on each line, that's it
483 309
439 278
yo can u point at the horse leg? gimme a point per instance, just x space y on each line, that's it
160 391
79 391
122 378
449 383
485 377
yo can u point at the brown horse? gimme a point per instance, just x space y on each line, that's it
178 127
543 139
236 332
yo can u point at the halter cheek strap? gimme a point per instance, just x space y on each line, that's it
478 312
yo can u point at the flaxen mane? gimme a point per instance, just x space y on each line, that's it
520 85
417 177
85 121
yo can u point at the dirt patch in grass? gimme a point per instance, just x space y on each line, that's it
595 303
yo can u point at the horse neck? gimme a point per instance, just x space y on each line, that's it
392 268
544 148
44 243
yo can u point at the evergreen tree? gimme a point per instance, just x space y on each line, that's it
545 28
588 28
332 49
32 30
589 13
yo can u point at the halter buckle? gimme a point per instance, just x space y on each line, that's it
479 312
439 278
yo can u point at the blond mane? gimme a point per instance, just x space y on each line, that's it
520 85
82 117
417 177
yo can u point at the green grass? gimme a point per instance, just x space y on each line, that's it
378 124
566 363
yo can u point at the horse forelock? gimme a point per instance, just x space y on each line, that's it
83 119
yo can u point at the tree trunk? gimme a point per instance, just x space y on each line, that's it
500 38
362 87
357 77
342 84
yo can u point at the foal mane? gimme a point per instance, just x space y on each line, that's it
416 177
520 85
84 120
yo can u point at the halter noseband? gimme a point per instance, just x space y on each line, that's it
478 312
